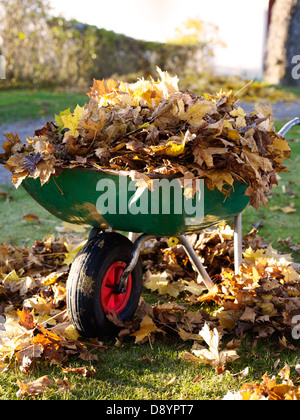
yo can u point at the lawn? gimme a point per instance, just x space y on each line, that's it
31 104
155 371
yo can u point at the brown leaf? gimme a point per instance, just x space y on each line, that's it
26 319
30 217
248 315
35 387
81 371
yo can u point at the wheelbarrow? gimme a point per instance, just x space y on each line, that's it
106 275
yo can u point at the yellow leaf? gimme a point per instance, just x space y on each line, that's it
281 144
172 242
168 84
66 227
155 281
227 124
213 356
73 250
45 319
44 170
174 147
288 209
253 256
218 178
147 327
263 110
71 333
226 320
197 112
290 275
12 277
51 278
213 292
71 121
240 114
58 118
233 135
193 288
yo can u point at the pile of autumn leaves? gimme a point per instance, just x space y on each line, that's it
261 300
151 127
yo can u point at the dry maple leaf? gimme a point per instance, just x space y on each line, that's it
212 356
71 121
35 387
81 371
146 331
26 319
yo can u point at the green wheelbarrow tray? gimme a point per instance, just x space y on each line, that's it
74 195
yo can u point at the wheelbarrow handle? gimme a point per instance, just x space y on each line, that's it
288 126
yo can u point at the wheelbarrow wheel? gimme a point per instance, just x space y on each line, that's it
91 286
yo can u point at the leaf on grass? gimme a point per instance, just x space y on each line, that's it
80 371
146 331
213 356
185 335
268 389
35 387
287 209
30 217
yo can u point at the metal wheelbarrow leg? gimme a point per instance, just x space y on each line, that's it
198 266
188 248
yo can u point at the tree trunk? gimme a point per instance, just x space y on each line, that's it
283 44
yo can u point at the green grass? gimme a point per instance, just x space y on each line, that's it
141 372
277 224
26 104
16 230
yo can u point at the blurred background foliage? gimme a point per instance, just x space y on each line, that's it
42 51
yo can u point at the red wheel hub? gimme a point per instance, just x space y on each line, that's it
110 300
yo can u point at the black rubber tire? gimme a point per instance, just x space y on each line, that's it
85 280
